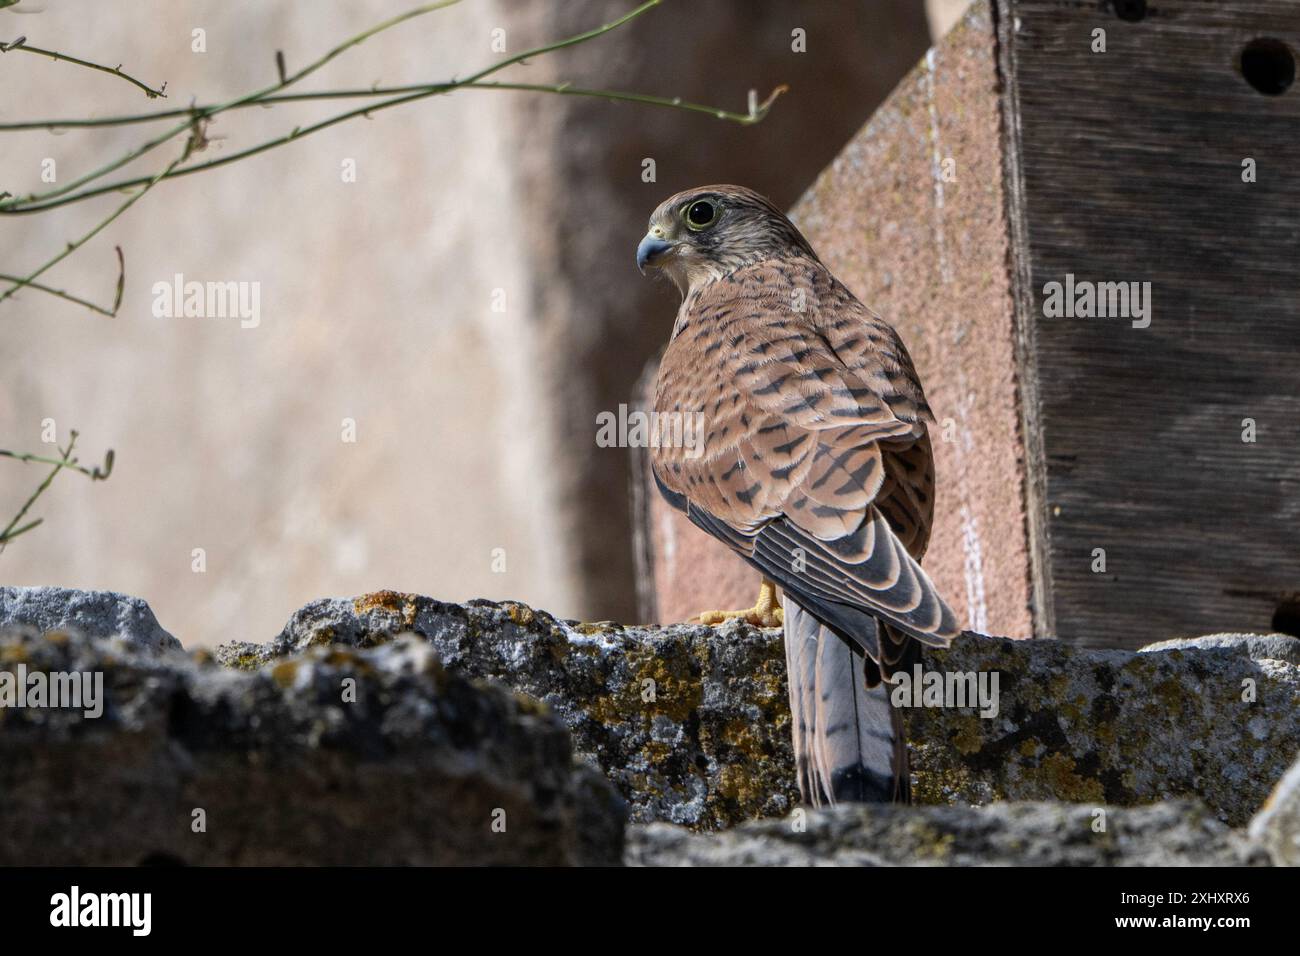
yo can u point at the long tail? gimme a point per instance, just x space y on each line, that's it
848 739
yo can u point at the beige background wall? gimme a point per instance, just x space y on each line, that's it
473 426
374 306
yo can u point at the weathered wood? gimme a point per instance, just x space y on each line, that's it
1130 168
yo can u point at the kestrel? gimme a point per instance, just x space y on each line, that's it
815 467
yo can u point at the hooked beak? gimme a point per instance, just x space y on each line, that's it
651 248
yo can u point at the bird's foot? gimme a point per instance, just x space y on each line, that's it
774 617
766 612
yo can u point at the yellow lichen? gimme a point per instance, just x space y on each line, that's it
394 602
1058 773
521 614
930 843
740 783
597 627
321 637
16 653
284 673
968 739
676 695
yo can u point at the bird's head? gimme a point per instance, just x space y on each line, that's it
705 233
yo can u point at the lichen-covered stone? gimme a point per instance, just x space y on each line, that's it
93 613
332 755
1111 726
1176 833
1259 647
691 723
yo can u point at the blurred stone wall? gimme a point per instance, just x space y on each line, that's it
474 470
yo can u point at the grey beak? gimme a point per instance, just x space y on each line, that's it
648 250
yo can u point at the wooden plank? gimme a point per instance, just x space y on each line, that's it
1131 166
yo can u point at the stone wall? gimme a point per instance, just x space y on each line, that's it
394 728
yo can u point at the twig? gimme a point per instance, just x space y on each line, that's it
747 118
21 46
95 473
13 529
197 118
299 132
755 115
117 298
74 246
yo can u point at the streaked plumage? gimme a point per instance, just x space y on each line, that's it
816 467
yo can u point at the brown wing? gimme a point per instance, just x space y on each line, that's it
815 465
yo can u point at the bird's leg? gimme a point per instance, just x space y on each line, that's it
766 612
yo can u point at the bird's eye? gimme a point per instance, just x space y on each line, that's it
700 213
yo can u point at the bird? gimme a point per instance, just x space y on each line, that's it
815 467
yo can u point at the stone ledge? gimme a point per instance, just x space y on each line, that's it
689 723
692 724
94 613
1115 727
1175 833
712 748
416 769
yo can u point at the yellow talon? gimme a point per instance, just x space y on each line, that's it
766 612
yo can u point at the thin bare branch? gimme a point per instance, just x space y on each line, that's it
196 119
21 46
69 297
74 246
94 473
376 92
72 192
195 115
299 132
64 461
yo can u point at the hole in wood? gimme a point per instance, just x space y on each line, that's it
1131 10
1268 65
1286 619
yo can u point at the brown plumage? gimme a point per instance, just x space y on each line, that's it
816 464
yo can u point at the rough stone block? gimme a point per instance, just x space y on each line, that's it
93 613
285 770
1177 833
692 723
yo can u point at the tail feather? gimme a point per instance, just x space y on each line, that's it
848 739
801 666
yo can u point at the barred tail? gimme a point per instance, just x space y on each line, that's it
848 739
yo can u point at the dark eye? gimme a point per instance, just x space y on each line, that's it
700 213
